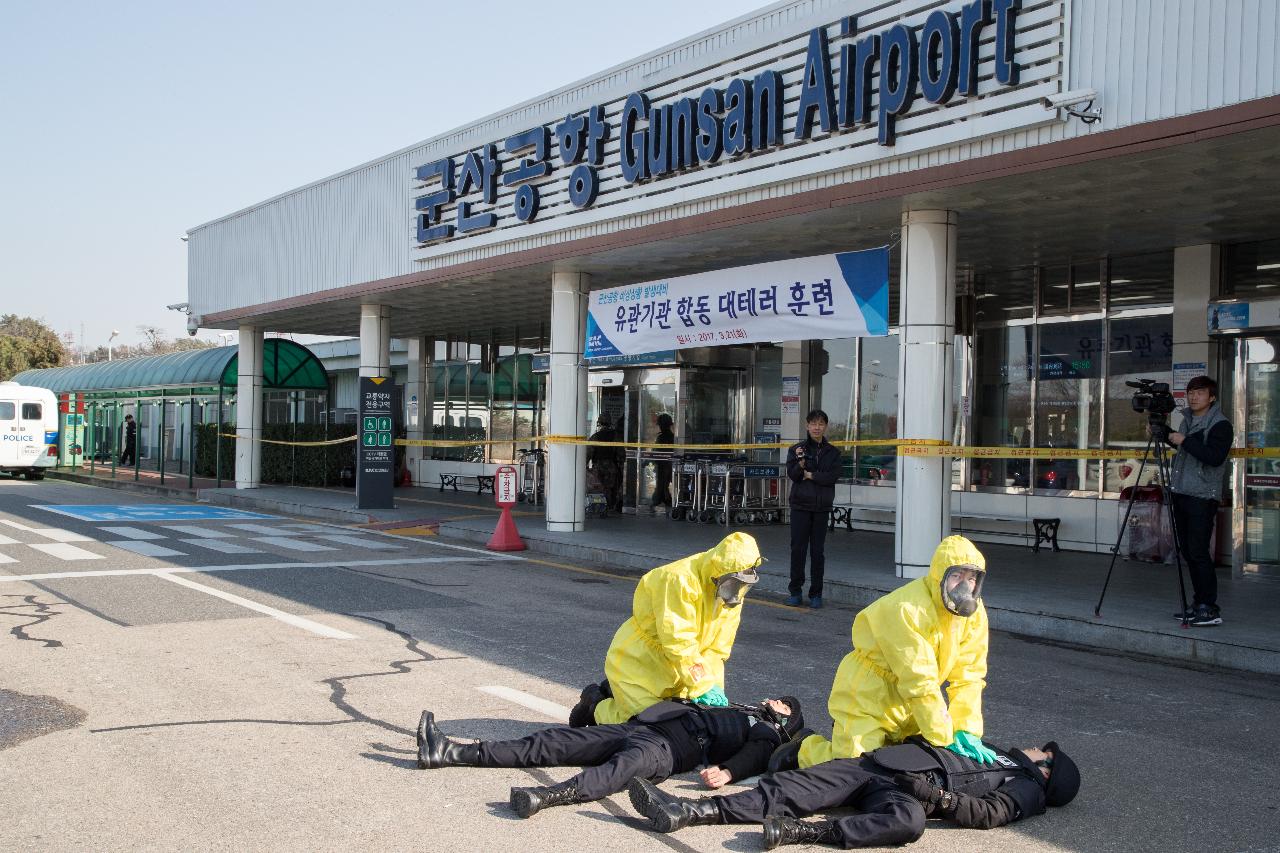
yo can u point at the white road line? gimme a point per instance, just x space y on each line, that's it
202 532
132 532
5 558
223 547
362 542
320 528
112 573
146 549
53 533
292 544
288 618
5 540
66 552
267 529
528 700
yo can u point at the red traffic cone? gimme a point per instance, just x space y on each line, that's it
505 536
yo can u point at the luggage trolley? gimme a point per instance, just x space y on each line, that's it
719 489
533 466
684 488
764 492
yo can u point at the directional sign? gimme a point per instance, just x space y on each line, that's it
375 474
149 512
505 486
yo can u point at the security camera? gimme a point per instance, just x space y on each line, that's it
1068 99
193 325
184 307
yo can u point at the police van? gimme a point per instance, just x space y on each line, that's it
28 430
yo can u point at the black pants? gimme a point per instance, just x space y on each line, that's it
886 815
612 755
129 456
1194 519
808 538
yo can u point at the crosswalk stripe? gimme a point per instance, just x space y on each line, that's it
146 549
222 547
5 540
267 529
368 543
54 533
248 567
63 551
292 544
528 700
131 532
202 532
5 558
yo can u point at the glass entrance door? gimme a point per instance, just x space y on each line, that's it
1257 515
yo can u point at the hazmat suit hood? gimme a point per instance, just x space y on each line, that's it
736 552
952 551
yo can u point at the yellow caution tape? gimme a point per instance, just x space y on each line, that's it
292 443
1063 452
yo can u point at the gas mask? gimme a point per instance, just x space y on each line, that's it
962 589
732 588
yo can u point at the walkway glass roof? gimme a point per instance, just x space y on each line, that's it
286 366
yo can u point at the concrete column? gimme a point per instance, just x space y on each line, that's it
417 401
567 463
249 409
375 340
926 328
795 366
1196 271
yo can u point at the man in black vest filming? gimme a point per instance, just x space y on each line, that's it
893 789
665 739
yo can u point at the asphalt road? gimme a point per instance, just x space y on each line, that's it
261 693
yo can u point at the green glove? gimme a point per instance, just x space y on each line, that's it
970 746
713 698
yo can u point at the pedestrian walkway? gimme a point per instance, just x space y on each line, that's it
1045 595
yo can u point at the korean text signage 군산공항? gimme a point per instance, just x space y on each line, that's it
824 296
872 80
375 477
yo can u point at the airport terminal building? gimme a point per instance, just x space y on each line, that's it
1069 195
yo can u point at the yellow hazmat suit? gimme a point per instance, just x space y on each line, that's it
677 622
905 645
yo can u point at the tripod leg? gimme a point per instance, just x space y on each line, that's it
1166 476
1115 549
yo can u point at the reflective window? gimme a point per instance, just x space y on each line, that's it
1138 348
32 411
878 407
1003 361
1068 409
1140 281
8 411
1005 295
1251 268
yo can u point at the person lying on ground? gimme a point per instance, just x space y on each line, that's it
892 788
733 743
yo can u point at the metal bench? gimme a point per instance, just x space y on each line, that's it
482 482
1046 529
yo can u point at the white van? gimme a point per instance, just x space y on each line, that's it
28 430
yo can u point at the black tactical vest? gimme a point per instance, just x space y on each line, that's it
958 774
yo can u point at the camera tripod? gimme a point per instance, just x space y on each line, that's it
1155 448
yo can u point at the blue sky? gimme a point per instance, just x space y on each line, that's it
124 124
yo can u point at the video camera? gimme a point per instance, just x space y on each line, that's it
1155 399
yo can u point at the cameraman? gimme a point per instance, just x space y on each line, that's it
1203 443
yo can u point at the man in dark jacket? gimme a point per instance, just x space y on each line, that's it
893 789
813 466
665 739
130 454
1203 444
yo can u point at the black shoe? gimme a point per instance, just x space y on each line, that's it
787 756
1190 613
584 713
783 830
436 750
1206 616
527 802
667 813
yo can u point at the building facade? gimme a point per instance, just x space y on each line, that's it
1066 188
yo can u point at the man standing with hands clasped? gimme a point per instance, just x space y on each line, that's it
1203 443
813 466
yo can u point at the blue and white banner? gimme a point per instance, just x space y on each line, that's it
844 295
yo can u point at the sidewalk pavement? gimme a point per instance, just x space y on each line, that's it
1048 596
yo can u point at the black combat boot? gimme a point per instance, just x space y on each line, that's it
435 749
667 813
527 802
584 713
784 830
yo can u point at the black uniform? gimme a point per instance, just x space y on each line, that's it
130 454
981 796
661 741
810 503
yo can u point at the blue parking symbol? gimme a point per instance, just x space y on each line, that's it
149 512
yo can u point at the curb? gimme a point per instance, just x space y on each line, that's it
123 485
1195 651
297 510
